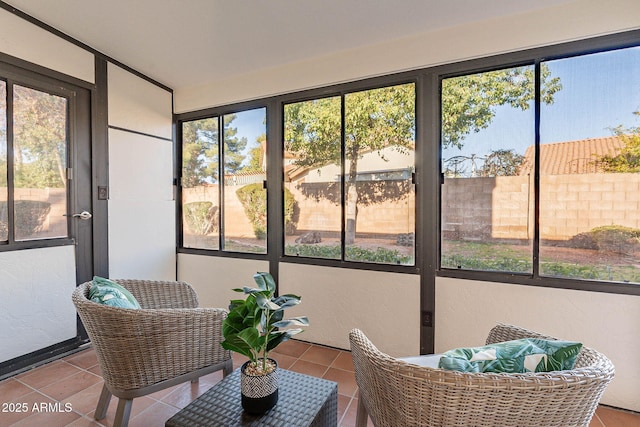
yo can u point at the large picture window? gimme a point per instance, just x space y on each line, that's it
224 200
584 168
33 164
349 163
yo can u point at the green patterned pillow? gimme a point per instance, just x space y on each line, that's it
108 292
518 356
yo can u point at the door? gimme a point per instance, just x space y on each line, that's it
46 225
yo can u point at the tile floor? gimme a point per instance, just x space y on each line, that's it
72 385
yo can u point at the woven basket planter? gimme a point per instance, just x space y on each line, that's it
259 392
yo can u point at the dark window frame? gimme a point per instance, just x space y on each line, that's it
428 162
15 75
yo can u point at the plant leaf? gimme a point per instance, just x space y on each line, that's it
265 302
265 281
294 321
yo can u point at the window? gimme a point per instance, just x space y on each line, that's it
349 163
487 197
584 167
590 169
232 216
33 157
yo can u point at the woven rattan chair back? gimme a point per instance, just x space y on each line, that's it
396 393
166 342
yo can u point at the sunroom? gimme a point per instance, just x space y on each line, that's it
421 171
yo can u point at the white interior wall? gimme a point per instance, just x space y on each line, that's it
141 193
36 309
467 310
213 278
26 41
386 306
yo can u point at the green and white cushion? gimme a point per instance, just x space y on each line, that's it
108 292
518 356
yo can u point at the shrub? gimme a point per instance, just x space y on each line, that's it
353 253
611 238
30 216
200 217
254 200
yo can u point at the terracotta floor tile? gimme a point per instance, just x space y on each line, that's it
292 348
346 381
48 374
612 417
595 422
321 355
140 405
284 361
49 419
186 393
344 361
85 401
71 385
309 368
343 405
85 422
12 389
154 416
85 359
25 408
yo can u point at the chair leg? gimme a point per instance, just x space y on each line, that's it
122 413
362 415
103 403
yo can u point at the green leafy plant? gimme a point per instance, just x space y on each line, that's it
200 217
254 325
254 201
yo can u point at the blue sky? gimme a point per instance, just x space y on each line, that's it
599 92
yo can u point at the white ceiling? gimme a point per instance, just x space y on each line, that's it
191 42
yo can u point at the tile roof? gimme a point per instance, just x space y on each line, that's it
571 157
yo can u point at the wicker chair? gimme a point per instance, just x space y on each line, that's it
166 342
396 393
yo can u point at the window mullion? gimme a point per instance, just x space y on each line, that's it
536 171
221 183
343 192
10 166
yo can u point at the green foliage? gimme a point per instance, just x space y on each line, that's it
30 215
612 238
468 102
254 200
255 325
200 217
628 159
200 141
353 253
502 163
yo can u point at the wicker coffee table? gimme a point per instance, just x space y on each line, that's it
302 401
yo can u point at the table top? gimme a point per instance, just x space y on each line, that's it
300 399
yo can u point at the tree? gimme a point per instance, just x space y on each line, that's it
469 102
502 163
628 159
374 120
384 118
200 156
40 139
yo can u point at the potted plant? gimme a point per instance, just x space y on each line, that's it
254 327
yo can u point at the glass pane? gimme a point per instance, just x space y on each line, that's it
590 169
380 196
4 220
312 168
487 195
245 198
40 163
200 184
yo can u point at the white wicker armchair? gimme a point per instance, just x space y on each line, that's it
166 342
396 393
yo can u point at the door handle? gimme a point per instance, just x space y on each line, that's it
82 215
